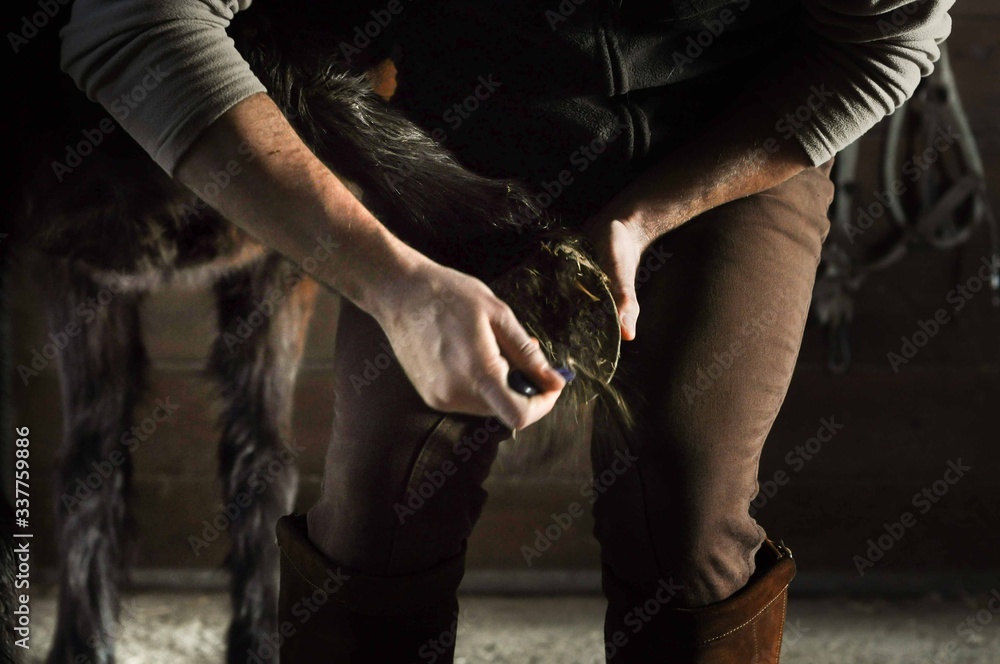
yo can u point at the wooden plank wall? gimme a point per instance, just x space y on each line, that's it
900 429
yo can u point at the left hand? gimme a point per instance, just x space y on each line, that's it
619 248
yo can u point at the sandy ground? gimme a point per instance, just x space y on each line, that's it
172 627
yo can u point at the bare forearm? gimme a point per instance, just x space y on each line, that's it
739 154
279 192
286 197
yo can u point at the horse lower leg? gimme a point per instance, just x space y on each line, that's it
102 370
255 359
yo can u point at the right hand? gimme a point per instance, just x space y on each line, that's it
457 341
454 338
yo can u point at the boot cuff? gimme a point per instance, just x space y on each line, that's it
363 593
775 570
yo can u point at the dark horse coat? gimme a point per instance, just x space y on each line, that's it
115 228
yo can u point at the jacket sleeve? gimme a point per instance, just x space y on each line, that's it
853 63
164 69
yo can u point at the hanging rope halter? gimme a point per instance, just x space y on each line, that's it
932 193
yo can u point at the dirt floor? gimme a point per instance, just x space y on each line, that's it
173 627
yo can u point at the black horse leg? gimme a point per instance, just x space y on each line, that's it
102 367
263 313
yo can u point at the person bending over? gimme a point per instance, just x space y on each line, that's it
691 140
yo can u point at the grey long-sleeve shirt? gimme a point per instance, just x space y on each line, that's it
830 68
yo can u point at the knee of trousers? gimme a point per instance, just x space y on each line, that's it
703 563
402 482
402 504
680 518
683 509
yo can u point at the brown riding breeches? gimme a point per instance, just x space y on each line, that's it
724 301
